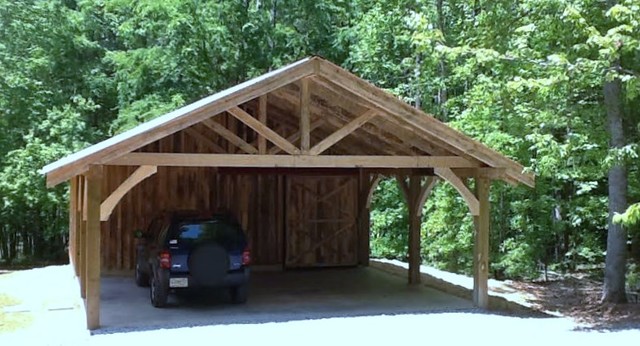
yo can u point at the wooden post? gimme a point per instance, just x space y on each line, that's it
82 216
364 181
414 230
481 245
94 191
262 116
305 123
415 193
73 206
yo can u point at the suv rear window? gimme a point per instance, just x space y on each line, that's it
222 233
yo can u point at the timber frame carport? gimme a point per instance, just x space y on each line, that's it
311 115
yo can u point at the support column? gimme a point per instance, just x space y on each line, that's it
481 245
415 216
363 218
82 244
73 206
262 116
94 191
305 122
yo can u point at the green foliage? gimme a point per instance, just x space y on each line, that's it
389 222
523 77
630 217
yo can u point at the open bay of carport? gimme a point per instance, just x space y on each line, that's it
275 296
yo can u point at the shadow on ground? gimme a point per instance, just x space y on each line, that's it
275 297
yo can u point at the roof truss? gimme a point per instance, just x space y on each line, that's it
309 114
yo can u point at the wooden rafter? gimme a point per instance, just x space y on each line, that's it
204 139
263 130
384 101
140 174
407 135
395 135
235 160
296 136
448 175
343 132
230 136
337 120
177 120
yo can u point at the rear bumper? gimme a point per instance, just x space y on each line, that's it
233 278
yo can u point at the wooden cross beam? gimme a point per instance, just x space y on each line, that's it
263 130
343 132
328 161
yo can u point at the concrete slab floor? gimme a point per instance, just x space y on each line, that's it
274 297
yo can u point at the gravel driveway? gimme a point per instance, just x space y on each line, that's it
51 294
419 329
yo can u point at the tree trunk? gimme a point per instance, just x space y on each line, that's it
616 259
443 95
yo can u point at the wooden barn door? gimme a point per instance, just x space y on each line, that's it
321 222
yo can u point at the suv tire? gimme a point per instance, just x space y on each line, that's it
159 291
239 294
142 278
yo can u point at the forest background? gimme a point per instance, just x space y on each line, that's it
553 84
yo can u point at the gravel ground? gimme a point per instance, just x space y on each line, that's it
59 320
51 296
441 328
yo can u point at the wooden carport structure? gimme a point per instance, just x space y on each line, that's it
296 154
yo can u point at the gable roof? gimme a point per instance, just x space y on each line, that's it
427 133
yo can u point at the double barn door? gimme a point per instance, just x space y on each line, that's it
321 222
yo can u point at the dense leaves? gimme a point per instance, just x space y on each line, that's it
526 78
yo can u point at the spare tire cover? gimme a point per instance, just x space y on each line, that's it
208 264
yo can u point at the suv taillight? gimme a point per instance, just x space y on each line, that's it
246 257
165 259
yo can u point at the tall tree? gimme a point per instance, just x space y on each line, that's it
616 259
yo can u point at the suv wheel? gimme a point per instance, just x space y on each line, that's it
239 294
159 292
142 278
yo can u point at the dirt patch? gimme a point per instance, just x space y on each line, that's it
578 297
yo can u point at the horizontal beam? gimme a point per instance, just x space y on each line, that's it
324 171
236 160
